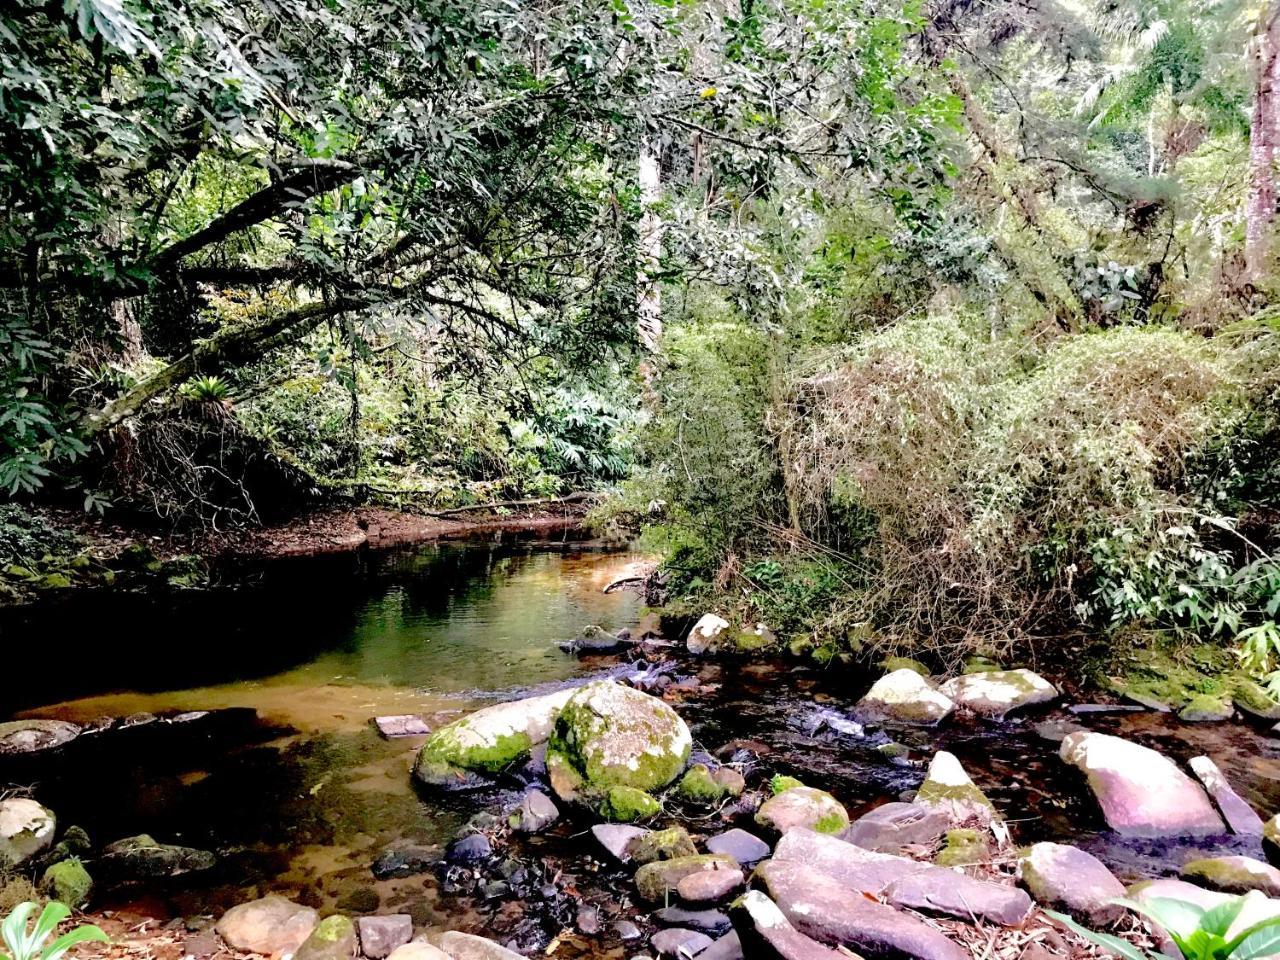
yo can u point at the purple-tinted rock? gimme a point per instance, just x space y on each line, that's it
889 828
744 847
1142 793
1240 817
939 890
766 933
708 921
709 886
403 725
380 935
1067 879
822 908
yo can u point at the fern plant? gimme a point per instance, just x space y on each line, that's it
1199 934
24 944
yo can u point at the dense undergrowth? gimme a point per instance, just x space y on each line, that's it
929 487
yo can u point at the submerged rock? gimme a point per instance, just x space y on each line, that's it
658 880
31 736
463 754
405 861
334 938
904 696
1142 793
803 807
891 827
26 829
702 785
594 639
269 925
708 921
823 908
707 635
401 725
766 934
610 736
1240 817
947 788
142 858
1235 874
996 693
467 946
1068 879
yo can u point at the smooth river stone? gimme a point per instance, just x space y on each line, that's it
904 696
1142 793
269 925
744 847
822 908
892 826
994 693
1234 874
709 886
675 942
467 946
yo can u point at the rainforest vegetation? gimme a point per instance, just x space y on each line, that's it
948 326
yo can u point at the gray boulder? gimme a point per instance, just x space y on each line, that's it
893 826
766 934
379 936
535 813
995 693
26 829
707 635
1240 817
142 858
803 807
269 925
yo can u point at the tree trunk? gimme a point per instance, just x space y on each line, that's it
1264 132
648 293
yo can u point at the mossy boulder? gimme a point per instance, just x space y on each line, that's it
964 847
628 805
608 735
1233 874
68 882
465 753
948 788
754 638
700 784
708 635
995 693
803 807
334 938
1206 708
658 880
142 858
904 696
781 783
672 843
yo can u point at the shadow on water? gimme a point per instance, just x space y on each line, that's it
287 780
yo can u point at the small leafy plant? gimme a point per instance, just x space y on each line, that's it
1200 934
24 944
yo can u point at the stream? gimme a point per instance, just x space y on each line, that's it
249 733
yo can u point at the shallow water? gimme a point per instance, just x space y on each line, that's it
289 783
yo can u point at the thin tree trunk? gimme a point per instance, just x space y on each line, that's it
648 292
1264 134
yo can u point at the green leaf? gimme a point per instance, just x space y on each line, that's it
1121 947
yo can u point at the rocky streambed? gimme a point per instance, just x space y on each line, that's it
660 800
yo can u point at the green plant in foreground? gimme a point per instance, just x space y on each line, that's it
1200 934
24 944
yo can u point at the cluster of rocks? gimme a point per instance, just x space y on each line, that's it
28 831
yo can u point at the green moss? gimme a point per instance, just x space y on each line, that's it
656 881
1204 707
67 882
670 844
890 664
830 823
962 794
698 786
333 929
781 783
980 664
963 848
749 641
55 581
629 805
824 654
800 645
445 748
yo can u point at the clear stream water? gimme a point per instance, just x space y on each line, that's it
289 783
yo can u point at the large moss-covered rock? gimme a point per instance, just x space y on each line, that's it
67 882
609 736
463 754
334 938
700 784
1234 874
670 844
948 788
628 805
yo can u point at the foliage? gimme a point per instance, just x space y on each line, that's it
1199 933
29 944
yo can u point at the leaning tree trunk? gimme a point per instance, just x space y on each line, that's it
1264 134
